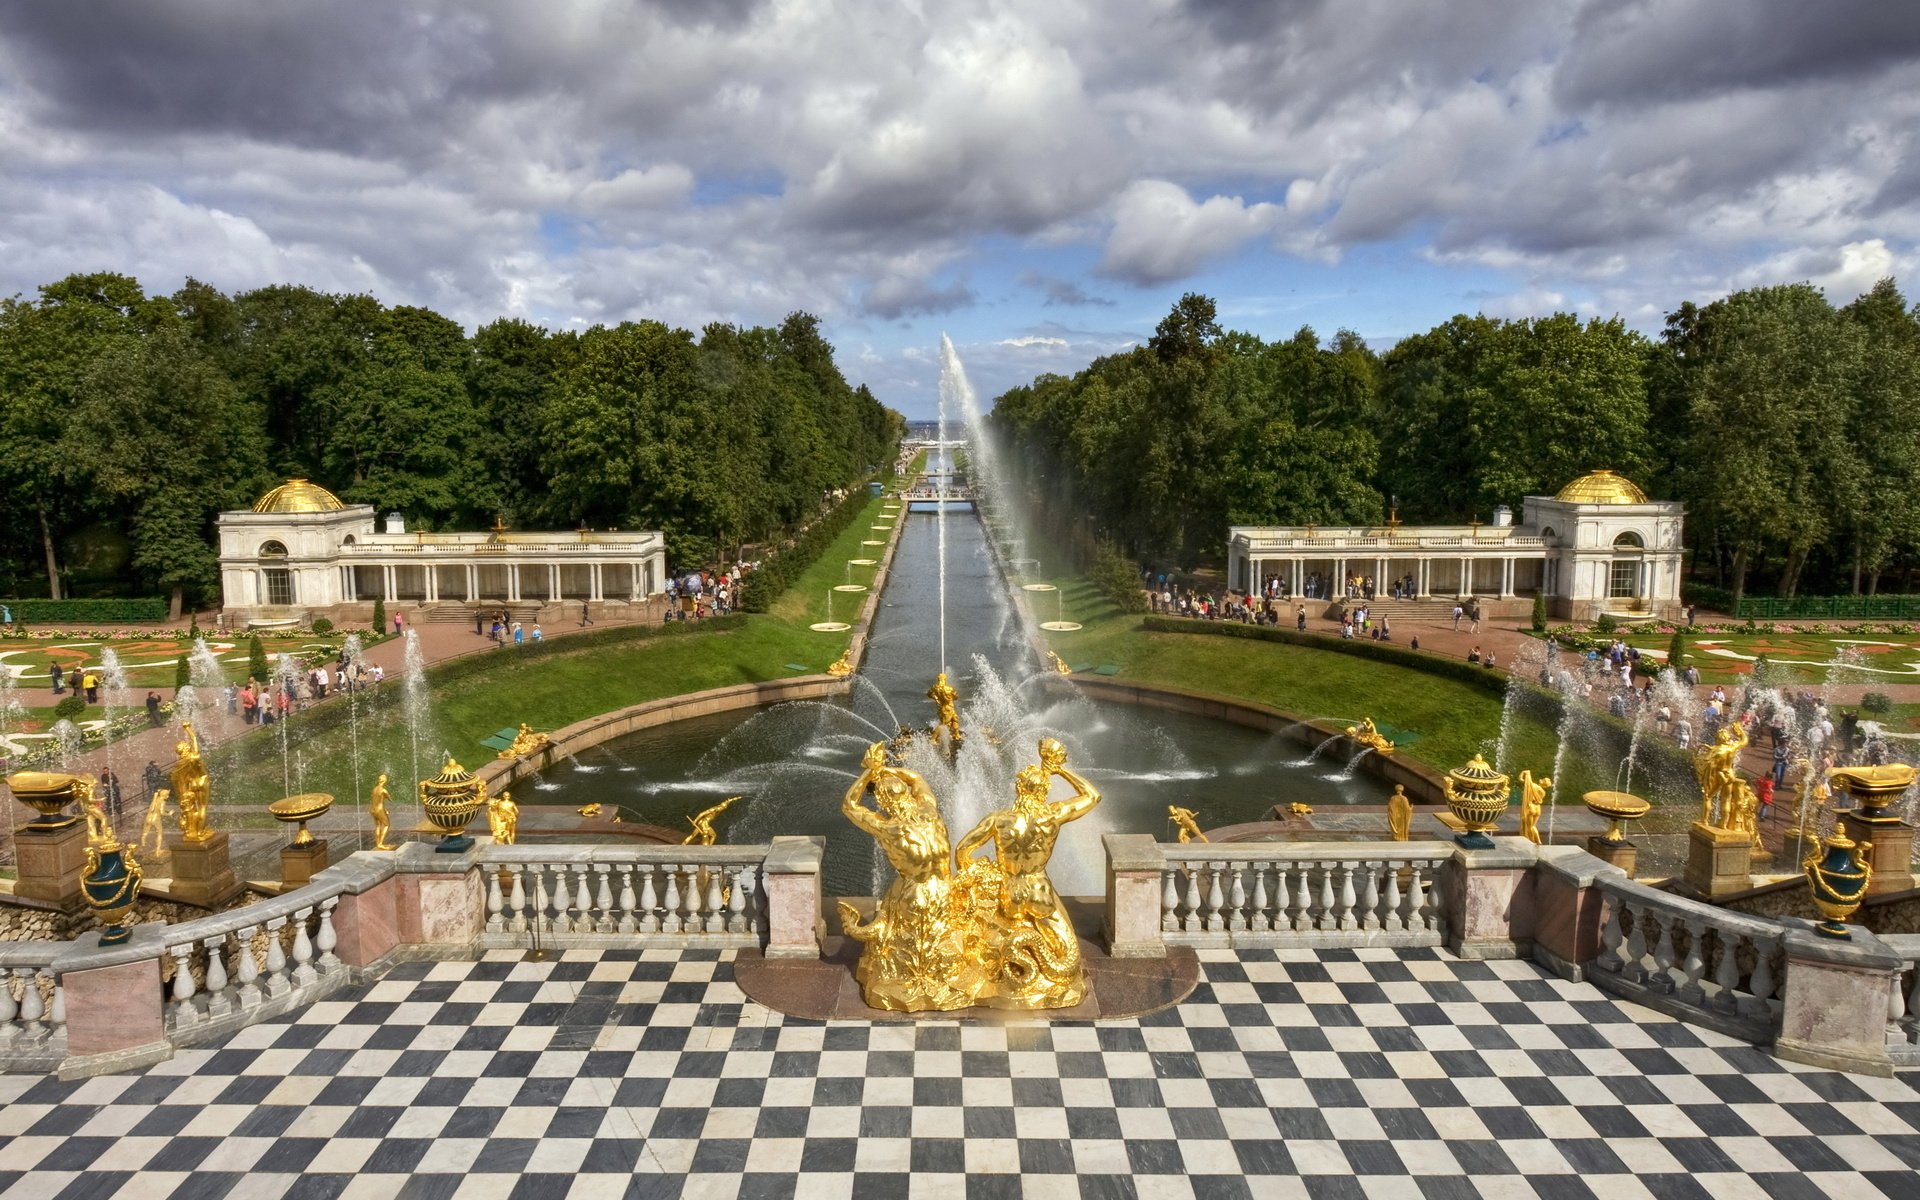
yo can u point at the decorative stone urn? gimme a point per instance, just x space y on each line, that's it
1477 794
1615 807
1839 883
300 809
47 793
449 800
111 885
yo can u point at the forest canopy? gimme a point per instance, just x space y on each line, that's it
131 420
1790 428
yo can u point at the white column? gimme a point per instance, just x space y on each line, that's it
634 583
1340 569
1466 576
594 582
386 584
433 582
513 580
1299 576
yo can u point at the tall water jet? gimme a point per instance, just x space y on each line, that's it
418 705
113 702
349 680
949 376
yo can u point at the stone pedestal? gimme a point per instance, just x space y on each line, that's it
794 921
202 874
1892 853
51 862
1487 899
1622 854
1719 862
1134 866
298 863
1834 1011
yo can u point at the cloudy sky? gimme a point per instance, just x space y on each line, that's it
1041 180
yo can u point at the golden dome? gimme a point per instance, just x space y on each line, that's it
298 496
1602 487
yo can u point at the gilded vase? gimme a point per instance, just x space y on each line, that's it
111 885
449 800
1838 879
1477 794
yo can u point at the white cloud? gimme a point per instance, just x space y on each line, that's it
1160 234
1030 340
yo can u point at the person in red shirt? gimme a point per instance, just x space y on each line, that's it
1763 792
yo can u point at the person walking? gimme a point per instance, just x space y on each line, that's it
586 616
479 624
1300 619
91 682
538 637
1473 615
519 634
1458 612
57 676
153 709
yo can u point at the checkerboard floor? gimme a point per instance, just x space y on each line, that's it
1326 1075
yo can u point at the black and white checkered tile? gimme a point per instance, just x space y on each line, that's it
1339 1074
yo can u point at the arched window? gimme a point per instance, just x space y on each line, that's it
1629 541
1624 580
276 580
347 541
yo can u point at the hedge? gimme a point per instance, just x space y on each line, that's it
111 612
1826 608
779 569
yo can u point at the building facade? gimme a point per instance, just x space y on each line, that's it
1597 546
300 553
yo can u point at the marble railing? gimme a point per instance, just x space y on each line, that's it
1903 1001
234 968
1707 965
587 895
1261 894
33 1007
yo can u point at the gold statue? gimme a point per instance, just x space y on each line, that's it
840 668
1034 955
190 786
1714 764
1300 810
524 743
1399 813
588 811
503 819
1743 815
1058 664
1183 821
377 809
945 698
1533 798
916 955
99 829
156 824
703 832
1367 735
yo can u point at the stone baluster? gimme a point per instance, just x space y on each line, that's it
1912 1023
1303 899
649 901
1170 900
626 923
326 938
1612 955
557 899
246 968
517 899
9 1009
1370 896
1726 975
738 897
694 901
276 983
1663 956
603 920
1761 983
33 1006
219 1000
538 917
1260 918
496 902
1391 918
303 972
1190 904
57 1011
583 918
1635 967
182 1009
1347 898
1282 897
670 906
716 901
1897 1009
1236 897
1421 914
1216 898
1329 915
1691 980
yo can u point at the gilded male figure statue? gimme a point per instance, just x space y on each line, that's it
190 787
1034 956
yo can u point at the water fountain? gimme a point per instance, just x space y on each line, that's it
830 625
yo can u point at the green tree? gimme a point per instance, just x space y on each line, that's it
182 674
257 659
380 614
1677 650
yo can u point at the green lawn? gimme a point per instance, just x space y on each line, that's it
1797 658
148 662
558 688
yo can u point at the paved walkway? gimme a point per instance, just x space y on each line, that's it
1358 1073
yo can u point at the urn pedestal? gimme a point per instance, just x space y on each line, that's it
1622 854
50 863
1873 788
1719 862
202 872
299 862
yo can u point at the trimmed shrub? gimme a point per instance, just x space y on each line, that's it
69 708
257 659
380 614
182 674
322 626
1606 624
1677 651
1539 612
1877 702
107 612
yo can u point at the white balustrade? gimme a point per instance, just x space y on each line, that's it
1690 959
1903 1002
1274 894
612 895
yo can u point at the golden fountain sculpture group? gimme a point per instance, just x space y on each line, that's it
954 931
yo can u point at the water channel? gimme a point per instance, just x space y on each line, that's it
793 762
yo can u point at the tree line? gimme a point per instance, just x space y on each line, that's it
1790 427
131 420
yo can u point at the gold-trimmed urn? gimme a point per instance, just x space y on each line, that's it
300 809
1477 794
1838 879
1615 807
47 793
449 800
1872 789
